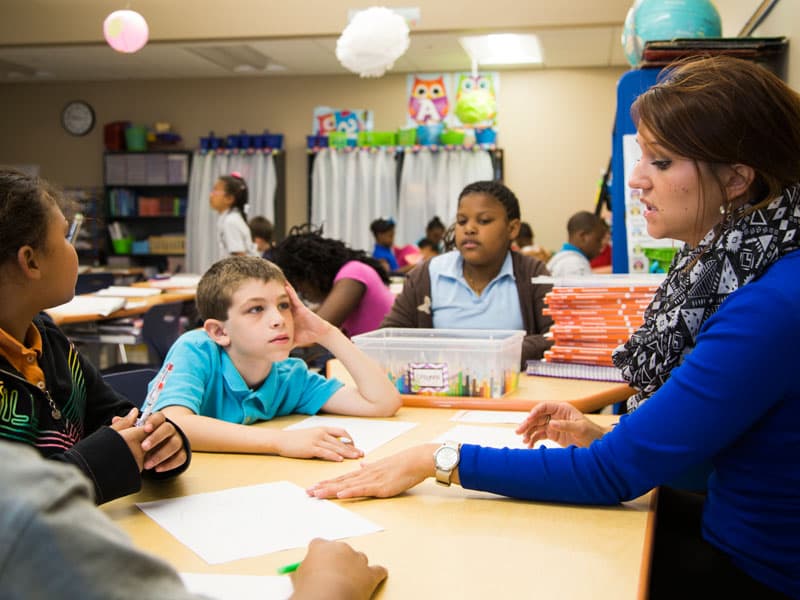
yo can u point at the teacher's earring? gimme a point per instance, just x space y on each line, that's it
722 210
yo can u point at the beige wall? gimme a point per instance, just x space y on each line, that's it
555 127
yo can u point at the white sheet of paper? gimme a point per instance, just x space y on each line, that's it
513 417
88 305
128 291
253 520
494 437
187 280
239 587
367 434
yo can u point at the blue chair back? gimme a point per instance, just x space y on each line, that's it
131 384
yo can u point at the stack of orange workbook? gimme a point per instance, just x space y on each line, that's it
593 315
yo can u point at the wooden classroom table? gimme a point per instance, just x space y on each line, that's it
437 542
141 305
586 396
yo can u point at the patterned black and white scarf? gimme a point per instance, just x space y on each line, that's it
745 248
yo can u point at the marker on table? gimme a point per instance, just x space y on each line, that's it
152 396
286 569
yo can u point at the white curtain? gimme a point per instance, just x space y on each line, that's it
257 169
430 183
350 189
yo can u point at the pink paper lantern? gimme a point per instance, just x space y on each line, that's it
125 30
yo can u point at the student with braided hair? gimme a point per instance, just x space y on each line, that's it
350 288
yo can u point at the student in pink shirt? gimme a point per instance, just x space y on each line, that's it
349 287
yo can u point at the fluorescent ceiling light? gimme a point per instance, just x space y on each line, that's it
503 48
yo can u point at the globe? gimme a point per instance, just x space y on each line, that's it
666 20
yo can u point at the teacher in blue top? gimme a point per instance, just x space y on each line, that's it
720 164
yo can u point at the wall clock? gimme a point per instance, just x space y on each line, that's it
77 118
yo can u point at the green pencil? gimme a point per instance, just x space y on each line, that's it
289 568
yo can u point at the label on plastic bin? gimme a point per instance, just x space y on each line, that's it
428 377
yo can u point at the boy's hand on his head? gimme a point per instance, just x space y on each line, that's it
329 443
163 446
308 326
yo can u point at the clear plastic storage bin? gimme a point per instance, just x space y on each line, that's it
447 362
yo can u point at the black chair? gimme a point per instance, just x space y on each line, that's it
92 282
132 384
161 325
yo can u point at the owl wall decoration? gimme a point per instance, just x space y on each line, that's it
428 102
325 123
476 103
347 122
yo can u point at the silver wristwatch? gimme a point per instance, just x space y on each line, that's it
445 458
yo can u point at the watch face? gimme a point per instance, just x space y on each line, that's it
446 458
77 118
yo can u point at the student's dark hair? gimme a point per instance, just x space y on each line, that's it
306 256
496 190
218 285
725 110
261 227
435 223
525 231
427 243
583 221
236 186
381 225
25 204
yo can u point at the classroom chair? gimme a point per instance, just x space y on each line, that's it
131 384
92 282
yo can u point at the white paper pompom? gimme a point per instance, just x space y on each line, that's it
374 39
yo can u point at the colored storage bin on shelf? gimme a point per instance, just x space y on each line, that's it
485 136
122 245
452 137
337 139
428 135
136 138
316 141
384 138
406 137
274 141
140 247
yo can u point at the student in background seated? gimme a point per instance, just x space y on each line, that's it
350 289
383 252
715 361
261 232
394 259
229 198
586 233
482 284
428 249
47 519
434 231
236 371
524 244
50 396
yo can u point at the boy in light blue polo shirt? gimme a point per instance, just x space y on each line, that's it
236 370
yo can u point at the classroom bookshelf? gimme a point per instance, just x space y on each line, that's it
146 195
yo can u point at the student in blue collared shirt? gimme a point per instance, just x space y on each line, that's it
236 370
482 284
